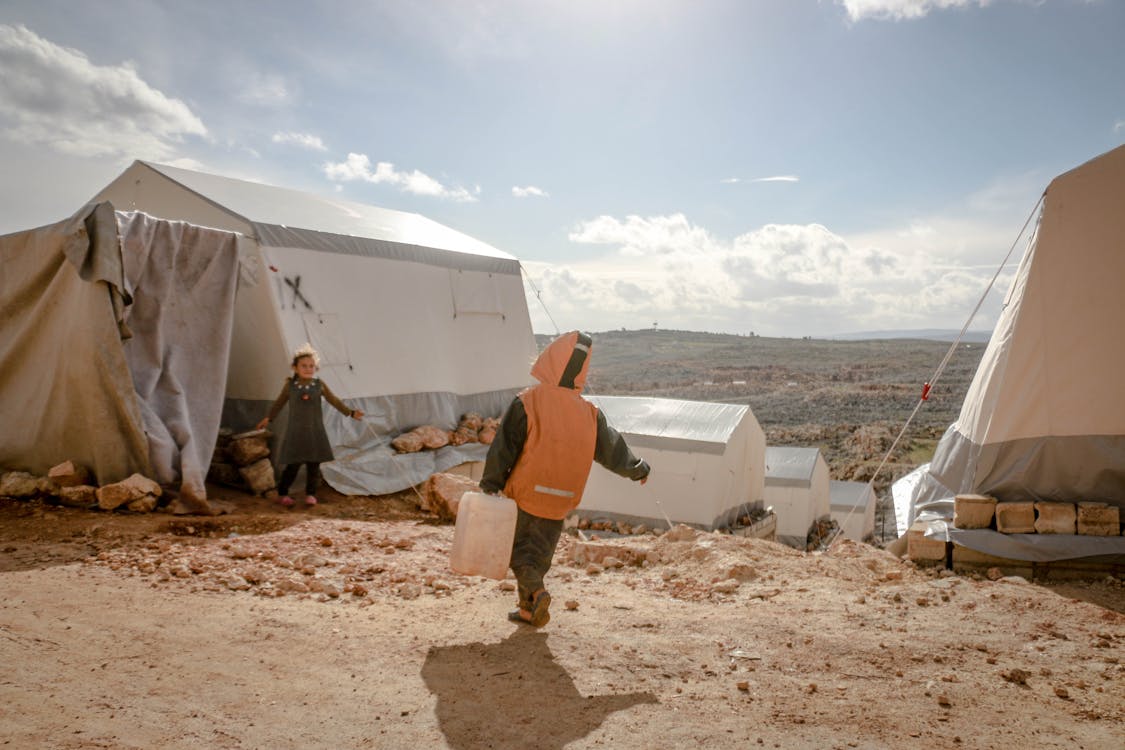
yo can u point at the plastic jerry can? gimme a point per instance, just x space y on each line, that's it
482 538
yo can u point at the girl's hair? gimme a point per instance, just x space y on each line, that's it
306 350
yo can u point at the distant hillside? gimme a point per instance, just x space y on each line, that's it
932 334
850 398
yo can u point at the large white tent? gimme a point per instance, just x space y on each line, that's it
796 487
707 463
415 323
1044 418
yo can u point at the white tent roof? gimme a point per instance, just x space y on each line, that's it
848 495
671 424
281 217
790 466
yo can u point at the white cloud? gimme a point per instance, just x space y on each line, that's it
775 178
54 96
358 167
899 10
529 192
787 280
265 89
304 140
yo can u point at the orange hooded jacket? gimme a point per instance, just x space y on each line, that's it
562 432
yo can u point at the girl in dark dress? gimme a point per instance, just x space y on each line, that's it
306 441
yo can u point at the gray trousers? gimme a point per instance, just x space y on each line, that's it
533 549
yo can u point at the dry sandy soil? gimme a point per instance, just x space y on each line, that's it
342 626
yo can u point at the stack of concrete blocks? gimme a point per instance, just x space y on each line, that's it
1026 517
243 461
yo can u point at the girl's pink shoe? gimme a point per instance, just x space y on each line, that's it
310 500
285 500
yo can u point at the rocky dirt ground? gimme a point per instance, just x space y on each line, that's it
341 626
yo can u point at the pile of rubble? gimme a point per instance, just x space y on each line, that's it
821 534
73 485
242 461
473 428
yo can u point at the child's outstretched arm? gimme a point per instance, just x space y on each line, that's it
276 408
331 398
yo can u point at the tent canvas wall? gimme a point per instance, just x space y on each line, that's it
707 463
415 323
797 487
114 336
852 506
1044 418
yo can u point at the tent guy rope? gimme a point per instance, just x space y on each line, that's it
928 386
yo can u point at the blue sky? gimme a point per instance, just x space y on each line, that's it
787 167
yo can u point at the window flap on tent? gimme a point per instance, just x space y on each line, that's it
326 334
474 293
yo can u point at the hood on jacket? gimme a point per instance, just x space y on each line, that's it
565 361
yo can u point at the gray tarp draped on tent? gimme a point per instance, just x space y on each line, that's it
114 337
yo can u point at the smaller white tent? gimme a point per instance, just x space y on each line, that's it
707 463
853 508
797 488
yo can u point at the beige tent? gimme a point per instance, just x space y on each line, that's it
115 331
1044 418
796 487
706 458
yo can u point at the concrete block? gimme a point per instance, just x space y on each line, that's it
1099 519
1055 518
973 511
441 493
249 448
919 549
1015 517
82 496
113 496
259 475
70 474
966 559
